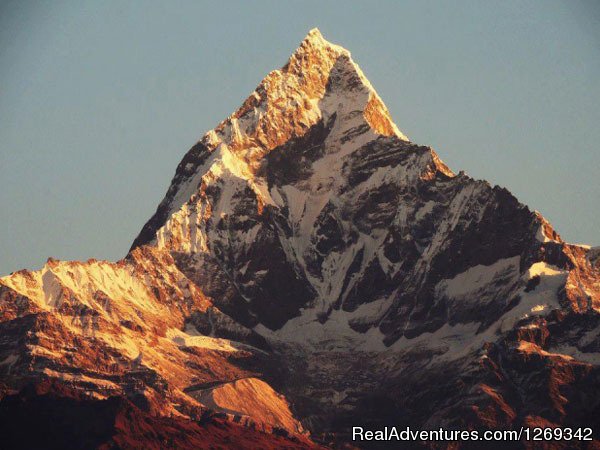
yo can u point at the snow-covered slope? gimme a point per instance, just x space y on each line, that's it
306 247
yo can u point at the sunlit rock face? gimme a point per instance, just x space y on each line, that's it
310 269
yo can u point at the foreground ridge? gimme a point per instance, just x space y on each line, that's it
308 270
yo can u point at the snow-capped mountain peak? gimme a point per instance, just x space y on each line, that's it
319 82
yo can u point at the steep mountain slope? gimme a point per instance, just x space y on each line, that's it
311 268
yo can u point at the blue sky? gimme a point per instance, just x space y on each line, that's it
100 100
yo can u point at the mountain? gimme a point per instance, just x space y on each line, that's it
310 269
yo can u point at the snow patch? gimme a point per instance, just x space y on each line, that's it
333 335
477 278
191 338
574 353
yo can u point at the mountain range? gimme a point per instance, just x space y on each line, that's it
309 269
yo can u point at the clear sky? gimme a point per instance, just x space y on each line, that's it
99 100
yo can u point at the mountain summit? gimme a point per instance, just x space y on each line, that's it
319 82
310 269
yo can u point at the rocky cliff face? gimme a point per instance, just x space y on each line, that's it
310 269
